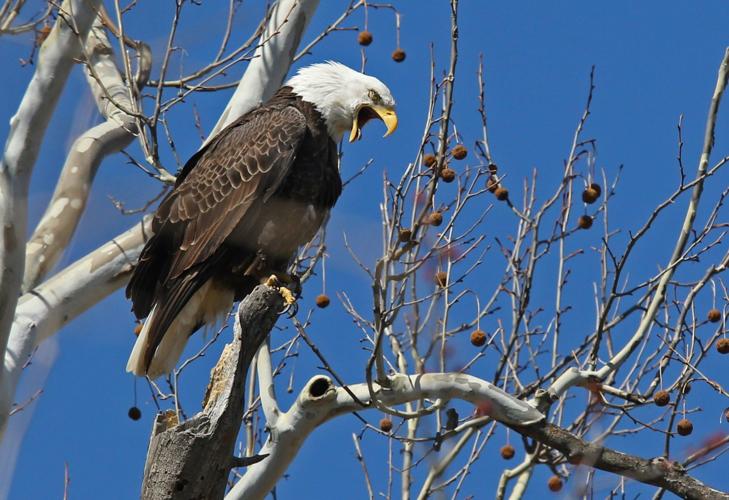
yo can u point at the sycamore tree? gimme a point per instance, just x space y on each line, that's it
468 259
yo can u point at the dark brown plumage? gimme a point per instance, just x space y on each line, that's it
239 210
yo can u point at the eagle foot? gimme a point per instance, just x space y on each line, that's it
282 282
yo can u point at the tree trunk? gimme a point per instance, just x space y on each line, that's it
192 459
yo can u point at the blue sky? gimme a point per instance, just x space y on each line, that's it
654 61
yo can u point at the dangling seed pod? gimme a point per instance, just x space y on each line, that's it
501 193
507 452
661 398
478 338
584 222
322 301
684 427
459 152
364 38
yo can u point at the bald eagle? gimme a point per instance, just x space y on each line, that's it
244 204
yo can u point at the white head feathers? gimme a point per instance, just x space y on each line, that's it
340 93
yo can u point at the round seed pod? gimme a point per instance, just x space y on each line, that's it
459 152
134 413
584 222
448 175
684 427
435 219
478 338
596 187
714 315
322 301
493 168
138 329
492 184
501 193
722 345
429 160
554 484
364 38
507 452
590 196
404 235
385 424
441 279
398 55
661 398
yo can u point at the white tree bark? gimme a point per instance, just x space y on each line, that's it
320 401
272 59
50 306
27 128
60 220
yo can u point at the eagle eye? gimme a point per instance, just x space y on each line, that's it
374 96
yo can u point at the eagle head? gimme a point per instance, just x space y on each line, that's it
347 99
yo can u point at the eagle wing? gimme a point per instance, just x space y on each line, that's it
244 166
232 177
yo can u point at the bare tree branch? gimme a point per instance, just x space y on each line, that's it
27 129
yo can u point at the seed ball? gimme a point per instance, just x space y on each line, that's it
722 345
134 413
684 427
478 338
501 193
385 424
448 175
404 235
459 152
364 38
507 452
596 187
493 168
714 315
492 184
661 398
435 219
441 278
590 196
554 483
584 222
138 329
429 160
398 55
322 301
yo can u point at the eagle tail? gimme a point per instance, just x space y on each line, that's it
168 326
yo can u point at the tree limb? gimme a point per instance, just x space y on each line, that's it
59 222
27 129
272 59
44 310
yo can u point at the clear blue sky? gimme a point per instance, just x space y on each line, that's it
655 61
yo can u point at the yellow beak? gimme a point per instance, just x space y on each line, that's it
384 113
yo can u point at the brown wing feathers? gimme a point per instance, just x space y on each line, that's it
217 190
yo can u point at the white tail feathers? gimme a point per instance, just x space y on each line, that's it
205 306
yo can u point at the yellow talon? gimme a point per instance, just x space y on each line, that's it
275 282
287 295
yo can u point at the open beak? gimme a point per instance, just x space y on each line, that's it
368 112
